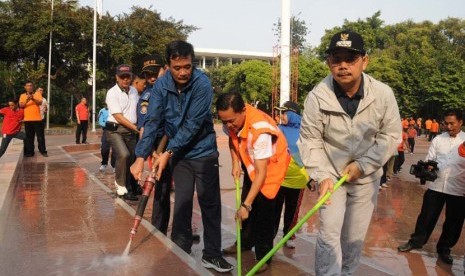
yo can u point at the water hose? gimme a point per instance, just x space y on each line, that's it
296 227
147 187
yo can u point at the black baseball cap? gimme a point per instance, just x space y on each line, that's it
289 106
347 40
152 63
123 69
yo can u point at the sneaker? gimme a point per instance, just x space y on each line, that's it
102 168
384 185
290 244
120 190
217 263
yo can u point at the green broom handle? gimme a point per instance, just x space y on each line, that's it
238 228
296 227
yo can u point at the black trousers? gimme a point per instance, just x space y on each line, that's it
161 202
201 174
259 229
433 202
34 128
290 199
105 150
82 127
400 159
411 143
7 139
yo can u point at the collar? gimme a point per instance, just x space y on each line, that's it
340 93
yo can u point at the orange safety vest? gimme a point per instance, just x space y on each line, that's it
256 123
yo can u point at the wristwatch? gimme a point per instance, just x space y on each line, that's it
247 207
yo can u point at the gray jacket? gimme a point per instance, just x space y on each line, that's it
329 139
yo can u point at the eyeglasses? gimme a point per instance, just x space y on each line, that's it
349 59
125 77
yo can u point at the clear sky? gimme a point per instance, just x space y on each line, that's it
247 25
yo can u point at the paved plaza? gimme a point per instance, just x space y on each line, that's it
59 216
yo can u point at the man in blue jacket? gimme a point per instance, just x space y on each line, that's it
180 103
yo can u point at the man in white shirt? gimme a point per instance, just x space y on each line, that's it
44 106
448 189
122 131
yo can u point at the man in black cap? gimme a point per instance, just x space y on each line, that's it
350 126
153 67
122 130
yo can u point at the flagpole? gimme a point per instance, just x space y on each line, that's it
94 67
285 51
49 69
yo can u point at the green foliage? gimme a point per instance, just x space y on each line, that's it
299 32
127 38
424 63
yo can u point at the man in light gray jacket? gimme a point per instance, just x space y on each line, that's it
350 125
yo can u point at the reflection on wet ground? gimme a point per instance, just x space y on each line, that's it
63 219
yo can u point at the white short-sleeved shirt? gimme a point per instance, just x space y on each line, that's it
263 147
121 102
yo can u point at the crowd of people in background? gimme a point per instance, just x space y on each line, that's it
277 157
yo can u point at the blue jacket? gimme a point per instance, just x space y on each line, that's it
291 131
142 106
185 117
103 116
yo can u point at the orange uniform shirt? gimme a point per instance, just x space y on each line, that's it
428 124
31 109
401 145
411 132
435 127
82 112
404 123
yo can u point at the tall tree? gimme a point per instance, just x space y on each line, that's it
299 32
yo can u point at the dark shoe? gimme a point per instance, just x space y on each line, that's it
407 247
195 237
217 263
28 155
446 258
85 143
233 249
130 196
44 154
139 190
78 143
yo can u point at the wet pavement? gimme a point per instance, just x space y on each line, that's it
60 217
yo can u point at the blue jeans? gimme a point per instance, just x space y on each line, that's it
7 139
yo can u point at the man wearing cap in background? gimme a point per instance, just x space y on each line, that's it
350 125
122 130
153 68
